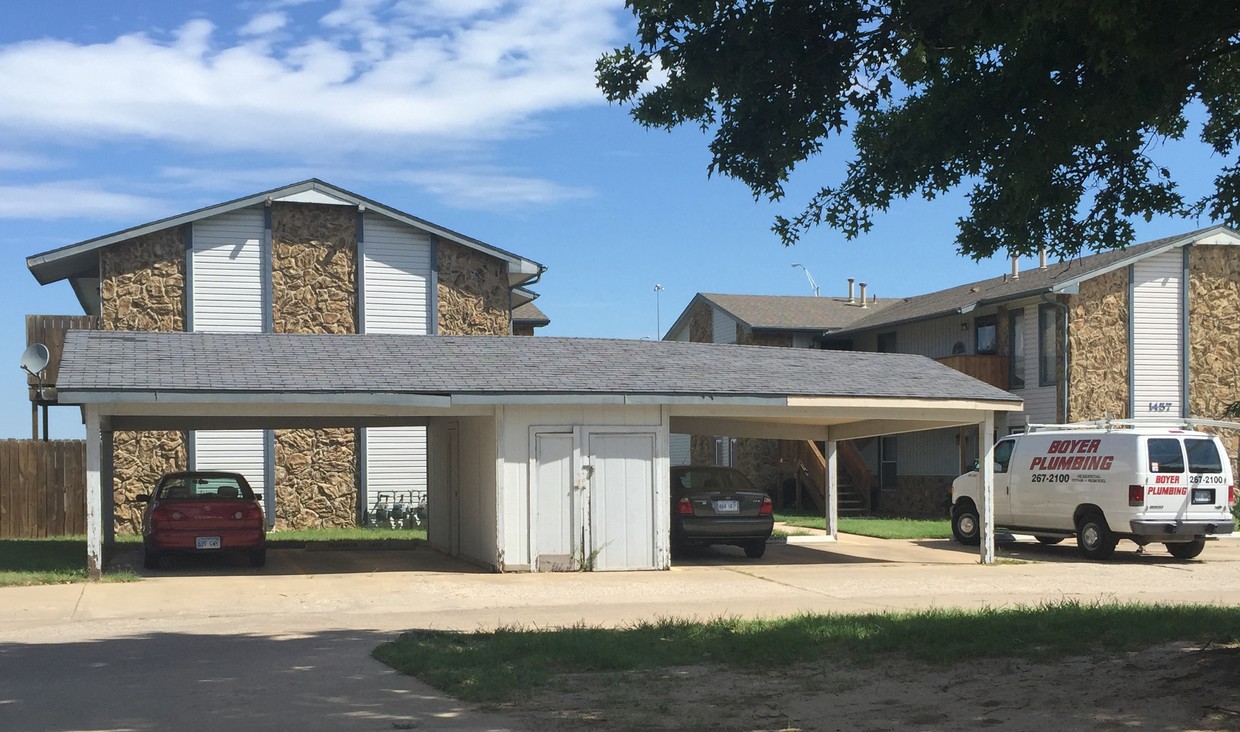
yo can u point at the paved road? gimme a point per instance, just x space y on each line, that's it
214 646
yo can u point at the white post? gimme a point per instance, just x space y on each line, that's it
833 493
986 464
94 495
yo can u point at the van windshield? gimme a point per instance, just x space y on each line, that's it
1203 456
1165 455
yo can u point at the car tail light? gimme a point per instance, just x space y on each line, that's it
684 507
1136 495
768 508
1231 494
249 512
162 515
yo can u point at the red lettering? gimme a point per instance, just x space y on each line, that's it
1105 463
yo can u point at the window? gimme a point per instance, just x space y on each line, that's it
723 451
886 342
1016 344
1048 356
887 463
1003 455
1165 455
987 331
1203 456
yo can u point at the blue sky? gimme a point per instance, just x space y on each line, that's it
479 115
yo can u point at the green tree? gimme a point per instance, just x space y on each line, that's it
1045 110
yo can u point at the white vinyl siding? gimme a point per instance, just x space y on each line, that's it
396 277
227 267
1041 404
1156 329
680 448
723 327
227 273
396 272
235 451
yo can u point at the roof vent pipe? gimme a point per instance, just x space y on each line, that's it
851 299
1041 257
863 295
1015 268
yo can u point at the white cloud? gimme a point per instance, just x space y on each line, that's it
10 160
261 25
491 190
73 199
380 74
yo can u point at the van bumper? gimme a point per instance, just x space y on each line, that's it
1182 528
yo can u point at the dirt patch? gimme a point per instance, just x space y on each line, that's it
1170 687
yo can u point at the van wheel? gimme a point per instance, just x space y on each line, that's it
1094 537
965 527
1187 549
1049 540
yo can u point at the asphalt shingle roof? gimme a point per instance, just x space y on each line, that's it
998 289
790 312
220 363
530 314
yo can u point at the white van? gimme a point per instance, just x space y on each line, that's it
1101 485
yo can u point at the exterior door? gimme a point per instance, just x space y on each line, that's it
558 512
621 500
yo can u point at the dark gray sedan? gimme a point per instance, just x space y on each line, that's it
712 505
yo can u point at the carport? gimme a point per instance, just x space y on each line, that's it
544 453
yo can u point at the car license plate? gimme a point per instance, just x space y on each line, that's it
1203 496
727 506
207 542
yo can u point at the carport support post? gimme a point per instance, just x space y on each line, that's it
94 494
986 466
833 493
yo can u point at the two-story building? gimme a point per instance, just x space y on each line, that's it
304 258
1152 330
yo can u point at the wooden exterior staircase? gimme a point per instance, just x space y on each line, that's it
808 466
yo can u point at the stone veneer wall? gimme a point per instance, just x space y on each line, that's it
1214 336
755 457
1098 355
701 330
142 287
314 290
474 298
916 496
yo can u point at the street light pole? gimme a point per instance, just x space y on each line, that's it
658 316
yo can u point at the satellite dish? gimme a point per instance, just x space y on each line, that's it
35 359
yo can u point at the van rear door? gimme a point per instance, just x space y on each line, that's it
1187 479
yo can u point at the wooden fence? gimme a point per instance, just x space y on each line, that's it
42 488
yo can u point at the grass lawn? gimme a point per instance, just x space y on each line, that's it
62 559
876 526
510 663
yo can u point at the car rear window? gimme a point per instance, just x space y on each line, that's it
1203 456
212 487
712 480
1165 455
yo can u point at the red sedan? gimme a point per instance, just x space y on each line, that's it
203 513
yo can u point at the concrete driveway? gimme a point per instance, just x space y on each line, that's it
209 645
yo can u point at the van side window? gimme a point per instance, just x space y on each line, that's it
1203 456
1003 455
1165 455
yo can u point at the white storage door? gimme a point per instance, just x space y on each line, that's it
557 512
227 269
236 451
396 282
1157 358
622 516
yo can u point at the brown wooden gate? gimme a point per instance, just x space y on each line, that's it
42 488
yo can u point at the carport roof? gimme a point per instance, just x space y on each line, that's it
113 366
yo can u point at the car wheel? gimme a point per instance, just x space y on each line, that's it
1187 549
965 526
1049 540
258 557
1094 537
755 549
150 557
